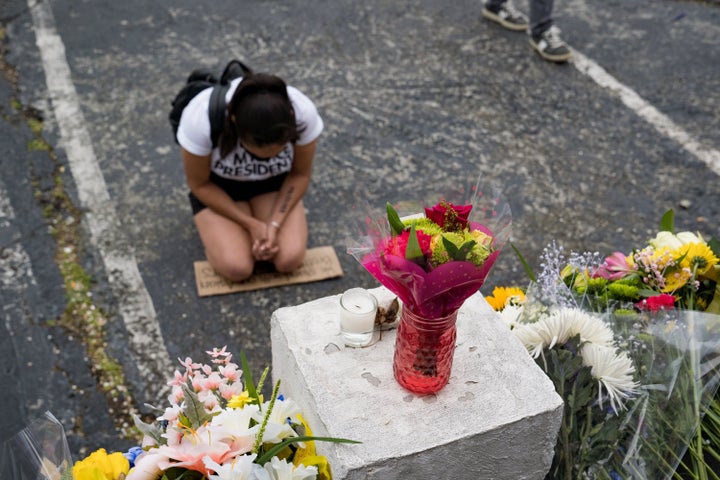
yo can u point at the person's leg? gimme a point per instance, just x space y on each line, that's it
544 35
292 235
494 5
540 16
228 246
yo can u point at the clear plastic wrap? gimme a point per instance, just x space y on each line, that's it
38 452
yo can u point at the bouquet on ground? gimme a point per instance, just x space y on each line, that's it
217 427
632 347
672 271
433 256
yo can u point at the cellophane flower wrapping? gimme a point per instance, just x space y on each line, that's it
427 289
677 359
661 396
38 452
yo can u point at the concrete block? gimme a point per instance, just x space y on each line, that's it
496 419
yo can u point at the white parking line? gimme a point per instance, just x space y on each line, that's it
652 115
146 343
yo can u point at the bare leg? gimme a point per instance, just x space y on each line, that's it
227 244
292 235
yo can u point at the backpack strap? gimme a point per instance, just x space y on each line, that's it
216 111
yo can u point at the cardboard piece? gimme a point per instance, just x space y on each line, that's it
320 263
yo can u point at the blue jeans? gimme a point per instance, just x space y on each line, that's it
540 14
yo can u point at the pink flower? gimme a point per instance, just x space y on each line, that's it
614 267
450 217
212 381
179 379
189 365
230 371
227 391
657 302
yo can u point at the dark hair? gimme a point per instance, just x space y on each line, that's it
259 113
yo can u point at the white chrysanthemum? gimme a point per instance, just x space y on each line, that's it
282 470
560 326
555 329
510 315
590 328
531 337
612 370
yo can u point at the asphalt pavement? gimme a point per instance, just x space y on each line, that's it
417 96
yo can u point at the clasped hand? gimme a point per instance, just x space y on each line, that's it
264 242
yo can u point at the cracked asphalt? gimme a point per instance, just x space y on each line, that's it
417 97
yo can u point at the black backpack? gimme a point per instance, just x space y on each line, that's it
198 81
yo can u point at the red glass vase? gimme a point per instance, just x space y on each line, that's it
424 349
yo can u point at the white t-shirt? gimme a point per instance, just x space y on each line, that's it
194 136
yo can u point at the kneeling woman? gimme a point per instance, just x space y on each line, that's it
246 194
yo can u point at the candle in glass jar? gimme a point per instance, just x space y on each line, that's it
357 316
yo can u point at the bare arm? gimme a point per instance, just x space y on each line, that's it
291 192
295 184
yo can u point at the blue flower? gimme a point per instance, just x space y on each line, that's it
132 454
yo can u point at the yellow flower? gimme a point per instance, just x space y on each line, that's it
676 278
309 457
504 296
700 256
322 465
239 401
101 466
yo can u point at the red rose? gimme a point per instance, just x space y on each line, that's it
397 245
450 217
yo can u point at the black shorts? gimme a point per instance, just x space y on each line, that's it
239 191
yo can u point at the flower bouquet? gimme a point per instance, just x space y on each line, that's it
626 331
433 258
672 271
217 427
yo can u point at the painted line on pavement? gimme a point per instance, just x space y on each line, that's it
645 110
146 344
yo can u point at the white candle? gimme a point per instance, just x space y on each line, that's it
357 311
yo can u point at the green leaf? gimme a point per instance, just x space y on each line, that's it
194 408
450 247
667 222
396 225
248 380
153 431
714 245
413 252
262 460
528 270
464 250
